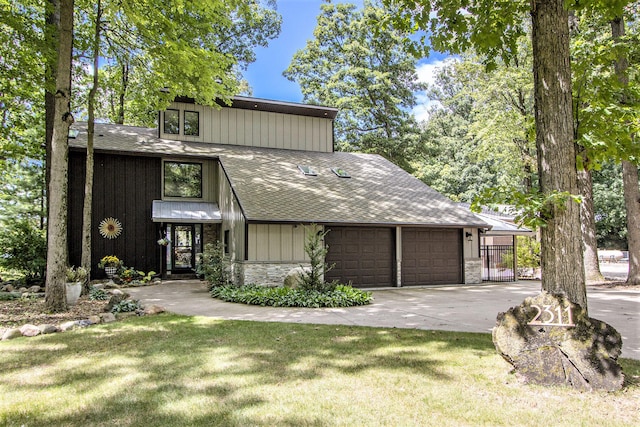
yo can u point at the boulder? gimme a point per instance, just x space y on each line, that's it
115 299
294 276
107 317
95 319
551 341
69 326
34 289
29 330
48 329
154 309
11 333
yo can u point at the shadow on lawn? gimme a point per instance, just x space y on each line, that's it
175 370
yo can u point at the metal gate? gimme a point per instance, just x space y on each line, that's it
498 263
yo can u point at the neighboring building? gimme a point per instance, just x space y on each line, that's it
499 244
251 175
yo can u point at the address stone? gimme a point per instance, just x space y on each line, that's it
551 341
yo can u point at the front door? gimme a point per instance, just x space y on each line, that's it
185 244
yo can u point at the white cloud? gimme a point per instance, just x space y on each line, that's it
427 74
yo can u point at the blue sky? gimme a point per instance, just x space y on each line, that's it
298 23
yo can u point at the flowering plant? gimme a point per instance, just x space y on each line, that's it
164 241
109 261
77 274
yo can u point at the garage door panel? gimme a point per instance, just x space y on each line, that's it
365 254
431 256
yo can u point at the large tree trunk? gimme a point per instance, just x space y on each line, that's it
88 183
52 22
57 253
561 241
632 204
629 171
588 225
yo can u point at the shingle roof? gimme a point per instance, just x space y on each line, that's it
270 187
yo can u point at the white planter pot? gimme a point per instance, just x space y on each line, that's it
73 289
110 271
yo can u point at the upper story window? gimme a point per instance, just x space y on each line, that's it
183 179
172 122
191 123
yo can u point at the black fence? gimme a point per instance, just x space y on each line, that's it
498 263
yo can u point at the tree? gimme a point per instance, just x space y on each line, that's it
493 29
368 74
57 255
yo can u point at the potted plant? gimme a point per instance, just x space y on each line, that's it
110 263
75 279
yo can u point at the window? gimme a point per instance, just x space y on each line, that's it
341 172
226 242
183 180
307 170
191 123
172 122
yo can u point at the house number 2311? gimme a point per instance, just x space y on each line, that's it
548 315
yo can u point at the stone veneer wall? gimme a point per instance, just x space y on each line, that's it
263 273
472 271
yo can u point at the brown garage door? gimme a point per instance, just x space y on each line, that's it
431 256
362 255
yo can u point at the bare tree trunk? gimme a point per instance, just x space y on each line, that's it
588 225
57 252
88 183
629 171
52 22
123 92
632 204
561 254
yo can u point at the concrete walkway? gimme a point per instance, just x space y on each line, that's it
451 308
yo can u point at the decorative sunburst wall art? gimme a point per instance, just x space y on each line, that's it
110 228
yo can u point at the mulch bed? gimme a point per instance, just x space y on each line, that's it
19 312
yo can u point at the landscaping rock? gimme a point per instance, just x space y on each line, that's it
22 290
107 317
154 309
48 329
95 319
8 288
294 277
29 330
69 326
551 341
34 289
116 298
11 333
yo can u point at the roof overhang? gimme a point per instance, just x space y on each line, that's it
185 212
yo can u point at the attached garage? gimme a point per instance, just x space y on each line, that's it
431 256
363 256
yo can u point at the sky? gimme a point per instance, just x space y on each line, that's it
298 22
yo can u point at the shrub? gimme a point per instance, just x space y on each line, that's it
126 306
96 294
211 265
24 249
340 296
313 279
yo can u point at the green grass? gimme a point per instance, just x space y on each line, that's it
172 370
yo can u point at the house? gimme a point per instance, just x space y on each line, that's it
251 175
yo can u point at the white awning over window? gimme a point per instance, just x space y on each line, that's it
179 211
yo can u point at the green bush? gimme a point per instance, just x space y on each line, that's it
528 252
340 296
126 306
312 280
211 265
98 294
23 248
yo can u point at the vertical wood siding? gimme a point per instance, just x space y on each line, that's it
276 242
124 188
232 218
234 126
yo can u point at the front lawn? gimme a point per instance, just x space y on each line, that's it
170 370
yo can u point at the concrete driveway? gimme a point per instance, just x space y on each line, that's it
451 308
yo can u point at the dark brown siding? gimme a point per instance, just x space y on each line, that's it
124 188
431 256
363 256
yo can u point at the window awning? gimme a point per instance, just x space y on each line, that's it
179 211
